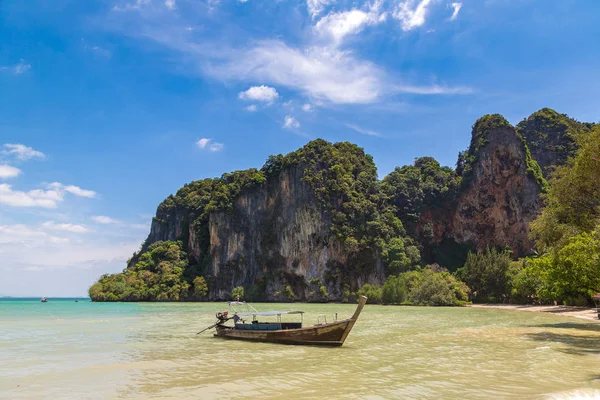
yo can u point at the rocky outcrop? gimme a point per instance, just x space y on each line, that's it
501 199
498 199
314 223
550 137
276 240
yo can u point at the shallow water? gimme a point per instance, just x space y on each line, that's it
67 350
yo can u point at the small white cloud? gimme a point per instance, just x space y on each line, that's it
17 69
209 144
251 108
137 5
340 24
21 67
74 228
260 93
412 13
7 171
290 122
456 7
307 107
170 4
22 152
363 131
101 219
315 7
76 190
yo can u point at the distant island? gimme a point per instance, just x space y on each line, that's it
515 221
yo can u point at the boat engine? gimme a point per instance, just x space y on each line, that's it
222 317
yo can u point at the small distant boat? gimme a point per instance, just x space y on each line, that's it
44 300
326 334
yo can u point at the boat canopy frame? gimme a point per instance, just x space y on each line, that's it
253 312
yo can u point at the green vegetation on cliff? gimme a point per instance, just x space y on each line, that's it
411 187
367 220
568 230
551 137
157 276
480 131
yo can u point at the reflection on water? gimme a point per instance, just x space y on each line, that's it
97 351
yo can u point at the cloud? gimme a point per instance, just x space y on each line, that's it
340 24
307 107
411 13
315 7
22 152
290 122
260 93
209 144
137 5
251 108
73 228
48 198
101 219
323 74
33 198
20 233
363 131
457 7
170 4
6 171
17 69
34 248
76 190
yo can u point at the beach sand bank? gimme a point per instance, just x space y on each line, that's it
567 311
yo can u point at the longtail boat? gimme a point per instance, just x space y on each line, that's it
324 333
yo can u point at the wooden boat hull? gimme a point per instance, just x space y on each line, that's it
331 334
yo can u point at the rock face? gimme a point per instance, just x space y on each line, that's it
502 199
550 137
276 236
498 199
279 240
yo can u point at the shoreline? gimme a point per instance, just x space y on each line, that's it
586 313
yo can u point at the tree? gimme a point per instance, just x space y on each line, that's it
238 293
487 274
200 287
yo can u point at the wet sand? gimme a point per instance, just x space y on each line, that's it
568 311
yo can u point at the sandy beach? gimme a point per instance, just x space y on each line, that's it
568 311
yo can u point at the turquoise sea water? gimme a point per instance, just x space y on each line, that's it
84 350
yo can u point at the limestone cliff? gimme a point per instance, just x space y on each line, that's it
276 239
316 224
498 199
551 137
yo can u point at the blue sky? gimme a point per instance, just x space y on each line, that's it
107 107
